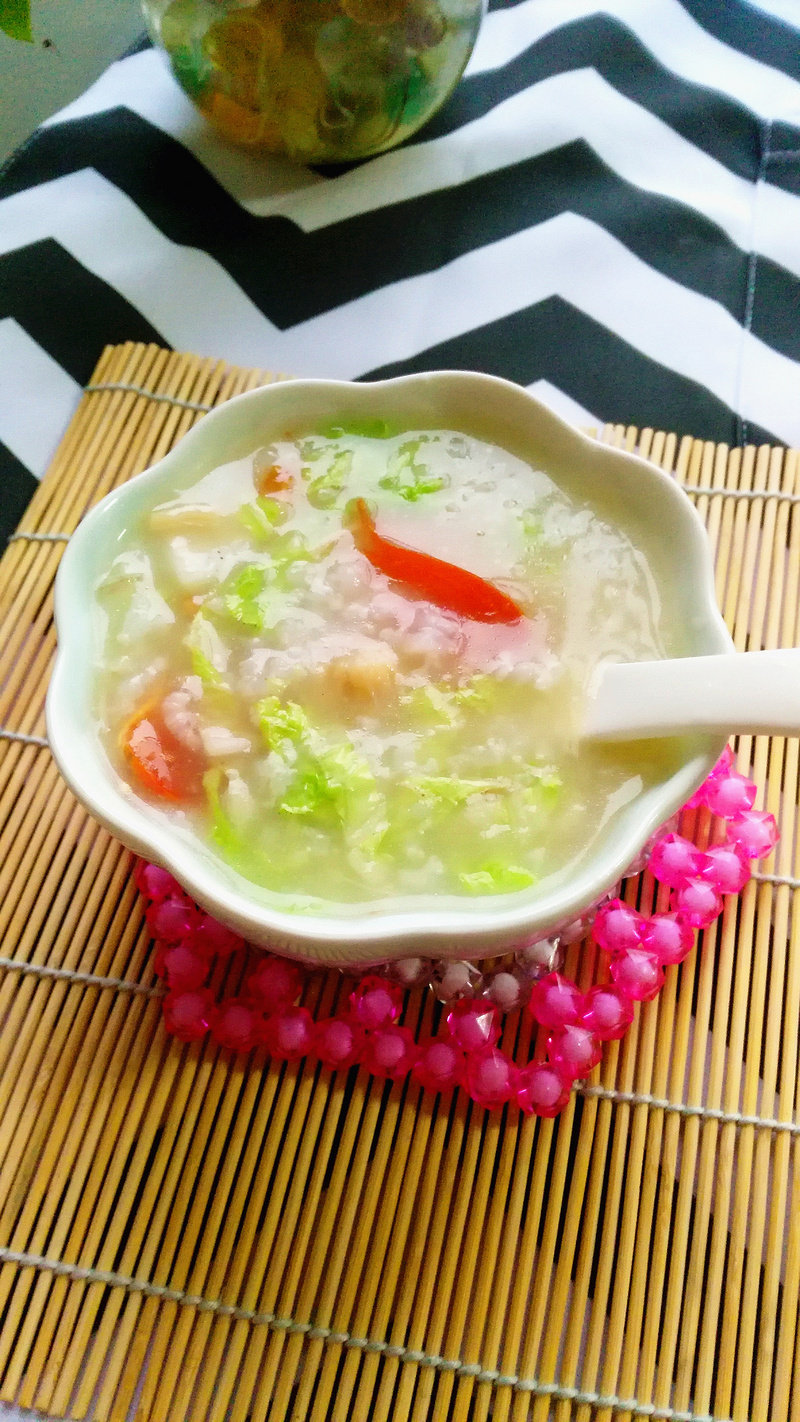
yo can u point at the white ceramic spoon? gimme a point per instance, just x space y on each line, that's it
746 692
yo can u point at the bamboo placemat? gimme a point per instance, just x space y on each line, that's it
191 1237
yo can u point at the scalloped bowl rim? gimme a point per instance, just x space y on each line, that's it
369 932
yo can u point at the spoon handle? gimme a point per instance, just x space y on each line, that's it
747 692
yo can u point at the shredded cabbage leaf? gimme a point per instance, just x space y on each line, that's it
325 490
366 429
262 517
497 878
225 836
283 722
442 705
336 782
408 476
250 597
454 791
207 651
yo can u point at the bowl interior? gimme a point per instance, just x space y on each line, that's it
625 490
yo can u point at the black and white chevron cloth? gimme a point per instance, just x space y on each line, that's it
607 211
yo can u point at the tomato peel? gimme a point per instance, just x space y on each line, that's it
276 480
445 584
160 762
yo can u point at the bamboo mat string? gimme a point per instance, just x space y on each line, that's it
40 537
201 1238
315 1332
43 970
199 406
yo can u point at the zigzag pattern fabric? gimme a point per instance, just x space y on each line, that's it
607 211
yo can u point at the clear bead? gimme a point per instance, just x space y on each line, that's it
451 980
536 960
638 864
409 972
576 929
508 991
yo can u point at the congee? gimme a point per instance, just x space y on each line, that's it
354 663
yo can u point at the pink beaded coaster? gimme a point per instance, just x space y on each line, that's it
464 1052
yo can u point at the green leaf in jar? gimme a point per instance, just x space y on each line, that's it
15 19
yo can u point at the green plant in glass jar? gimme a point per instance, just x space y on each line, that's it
324 81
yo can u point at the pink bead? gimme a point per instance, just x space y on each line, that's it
574 1051
541 1090
376 1002
723 767
730 796
153 882
491 1077
637 973
338 1043
617 926
188 1015
181 968
440 1066
506 991
556 1002
171 919
699 797
755 832
608 1012
390 1052
668 937
473 1023
674 860
727 868
274 982
697 902
214 938
289 1033
236 1025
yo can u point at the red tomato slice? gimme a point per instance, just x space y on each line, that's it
160 762
444 584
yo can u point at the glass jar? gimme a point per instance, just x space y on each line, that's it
323 81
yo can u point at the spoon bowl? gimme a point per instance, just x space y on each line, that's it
747 693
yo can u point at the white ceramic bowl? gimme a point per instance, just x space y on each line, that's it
642 500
